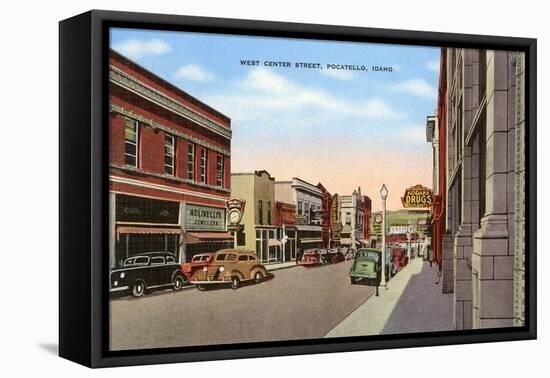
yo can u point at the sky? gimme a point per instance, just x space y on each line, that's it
344 128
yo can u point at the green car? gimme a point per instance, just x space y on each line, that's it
367 267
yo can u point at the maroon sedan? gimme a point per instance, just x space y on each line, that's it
336 255
311 257
197 263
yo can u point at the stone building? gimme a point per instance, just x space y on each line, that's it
483 184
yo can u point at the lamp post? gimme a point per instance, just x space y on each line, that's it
384 195
409 244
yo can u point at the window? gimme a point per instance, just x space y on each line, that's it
204 159
221 257
170 260
231 257
169 148
260 212
219 171
299 207
269 213
157 260
142 260
191 162
131 143
243 258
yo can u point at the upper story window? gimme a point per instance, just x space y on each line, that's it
260 212
191 162
219 171
204 160
300 212
268 213
131 139
169 148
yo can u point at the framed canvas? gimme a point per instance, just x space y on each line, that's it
234 188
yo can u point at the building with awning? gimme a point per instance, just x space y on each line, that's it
169 159
259 232
308 201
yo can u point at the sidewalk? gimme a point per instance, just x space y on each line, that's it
412 303
278 266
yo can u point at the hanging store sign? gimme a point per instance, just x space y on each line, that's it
235 210
204 218
418 196
335 214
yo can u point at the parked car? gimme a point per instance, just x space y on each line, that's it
335 256
147 271
229 266
311 257
349 253
399 258
197 263
367 267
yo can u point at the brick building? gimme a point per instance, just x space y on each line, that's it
483 197
326 205
169 167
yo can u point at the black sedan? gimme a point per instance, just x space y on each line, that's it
147 271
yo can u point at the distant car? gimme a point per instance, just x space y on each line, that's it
367 267
311 257
197 263
399 258
336 256
147 271
229 266
349 253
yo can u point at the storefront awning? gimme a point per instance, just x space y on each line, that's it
207 237
311 240
363 241
148 230
274 242
345 241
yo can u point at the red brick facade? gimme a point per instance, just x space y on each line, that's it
161 109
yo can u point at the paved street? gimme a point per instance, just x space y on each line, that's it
297 303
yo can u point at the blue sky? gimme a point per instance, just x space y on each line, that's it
341 127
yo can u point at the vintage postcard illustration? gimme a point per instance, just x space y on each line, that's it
268 189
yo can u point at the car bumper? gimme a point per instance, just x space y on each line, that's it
120 288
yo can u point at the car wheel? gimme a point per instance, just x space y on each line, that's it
235 282
139 289
258 277
201 288
353 281
179 281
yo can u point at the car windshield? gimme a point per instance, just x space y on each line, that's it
370 255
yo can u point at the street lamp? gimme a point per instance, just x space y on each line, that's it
384 195
409 244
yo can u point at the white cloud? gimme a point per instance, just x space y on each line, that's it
193 72
264 92
414 134
433 65
338 74
136 49
416 87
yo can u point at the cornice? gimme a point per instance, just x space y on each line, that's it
124 80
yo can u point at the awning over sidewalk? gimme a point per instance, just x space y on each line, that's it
148 230
274 242
311 240
207 237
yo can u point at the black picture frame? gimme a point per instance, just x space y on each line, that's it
83 207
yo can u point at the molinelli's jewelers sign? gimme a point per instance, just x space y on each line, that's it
204 218
418 196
